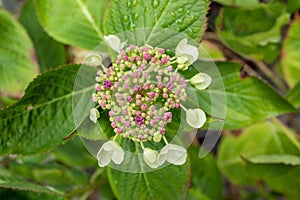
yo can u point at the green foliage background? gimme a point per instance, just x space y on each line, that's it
255 47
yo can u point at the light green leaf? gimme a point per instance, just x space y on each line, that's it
285 159
238 3
290 60
156 22
16 67
206 176
260 139
9 181
44 116
49 52
293 96
248 100
254 32
197 195
73 22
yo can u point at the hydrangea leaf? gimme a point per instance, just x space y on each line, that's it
74 22
150 185
157 23
290 56
16 67
207 177
239 101
293 96
285 159
270 138
44 116
7 180
255 31
238 3
49 52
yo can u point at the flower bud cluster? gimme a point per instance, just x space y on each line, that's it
140 89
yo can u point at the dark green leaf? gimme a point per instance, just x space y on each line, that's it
156 22
44 116
206 176
16 67
169 182
74 22
9 181
49 52
26 195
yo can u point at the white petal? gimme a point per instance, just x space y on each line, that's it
190 52
117 156
176 154
180 49
110 150
113 41
195 117
103 157
201 81
94 114
193 53
162 156
150 157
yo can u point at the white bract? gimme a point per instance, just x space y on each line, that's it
110 150
186 54
172 153
201 81
195 117
94 60
94 115
150 157
114 42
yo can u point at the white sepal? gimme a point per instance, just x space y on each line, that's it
110 150
172 153
94 115
195 117
186 54
114 42
151 158
201 81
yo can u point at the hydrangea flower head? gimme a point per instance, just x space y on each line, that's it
140 90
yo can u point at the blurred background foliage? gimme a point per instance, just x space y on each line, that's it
258 153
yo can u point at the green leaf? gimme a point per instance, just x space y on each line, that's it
248 100
257 140
73 22
49 52
254 32
293 96
285 159
280 177
290 60
238 3
206 176
9 181
197 195
16 67
74 154
53 105
169 182
26 195
156 22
